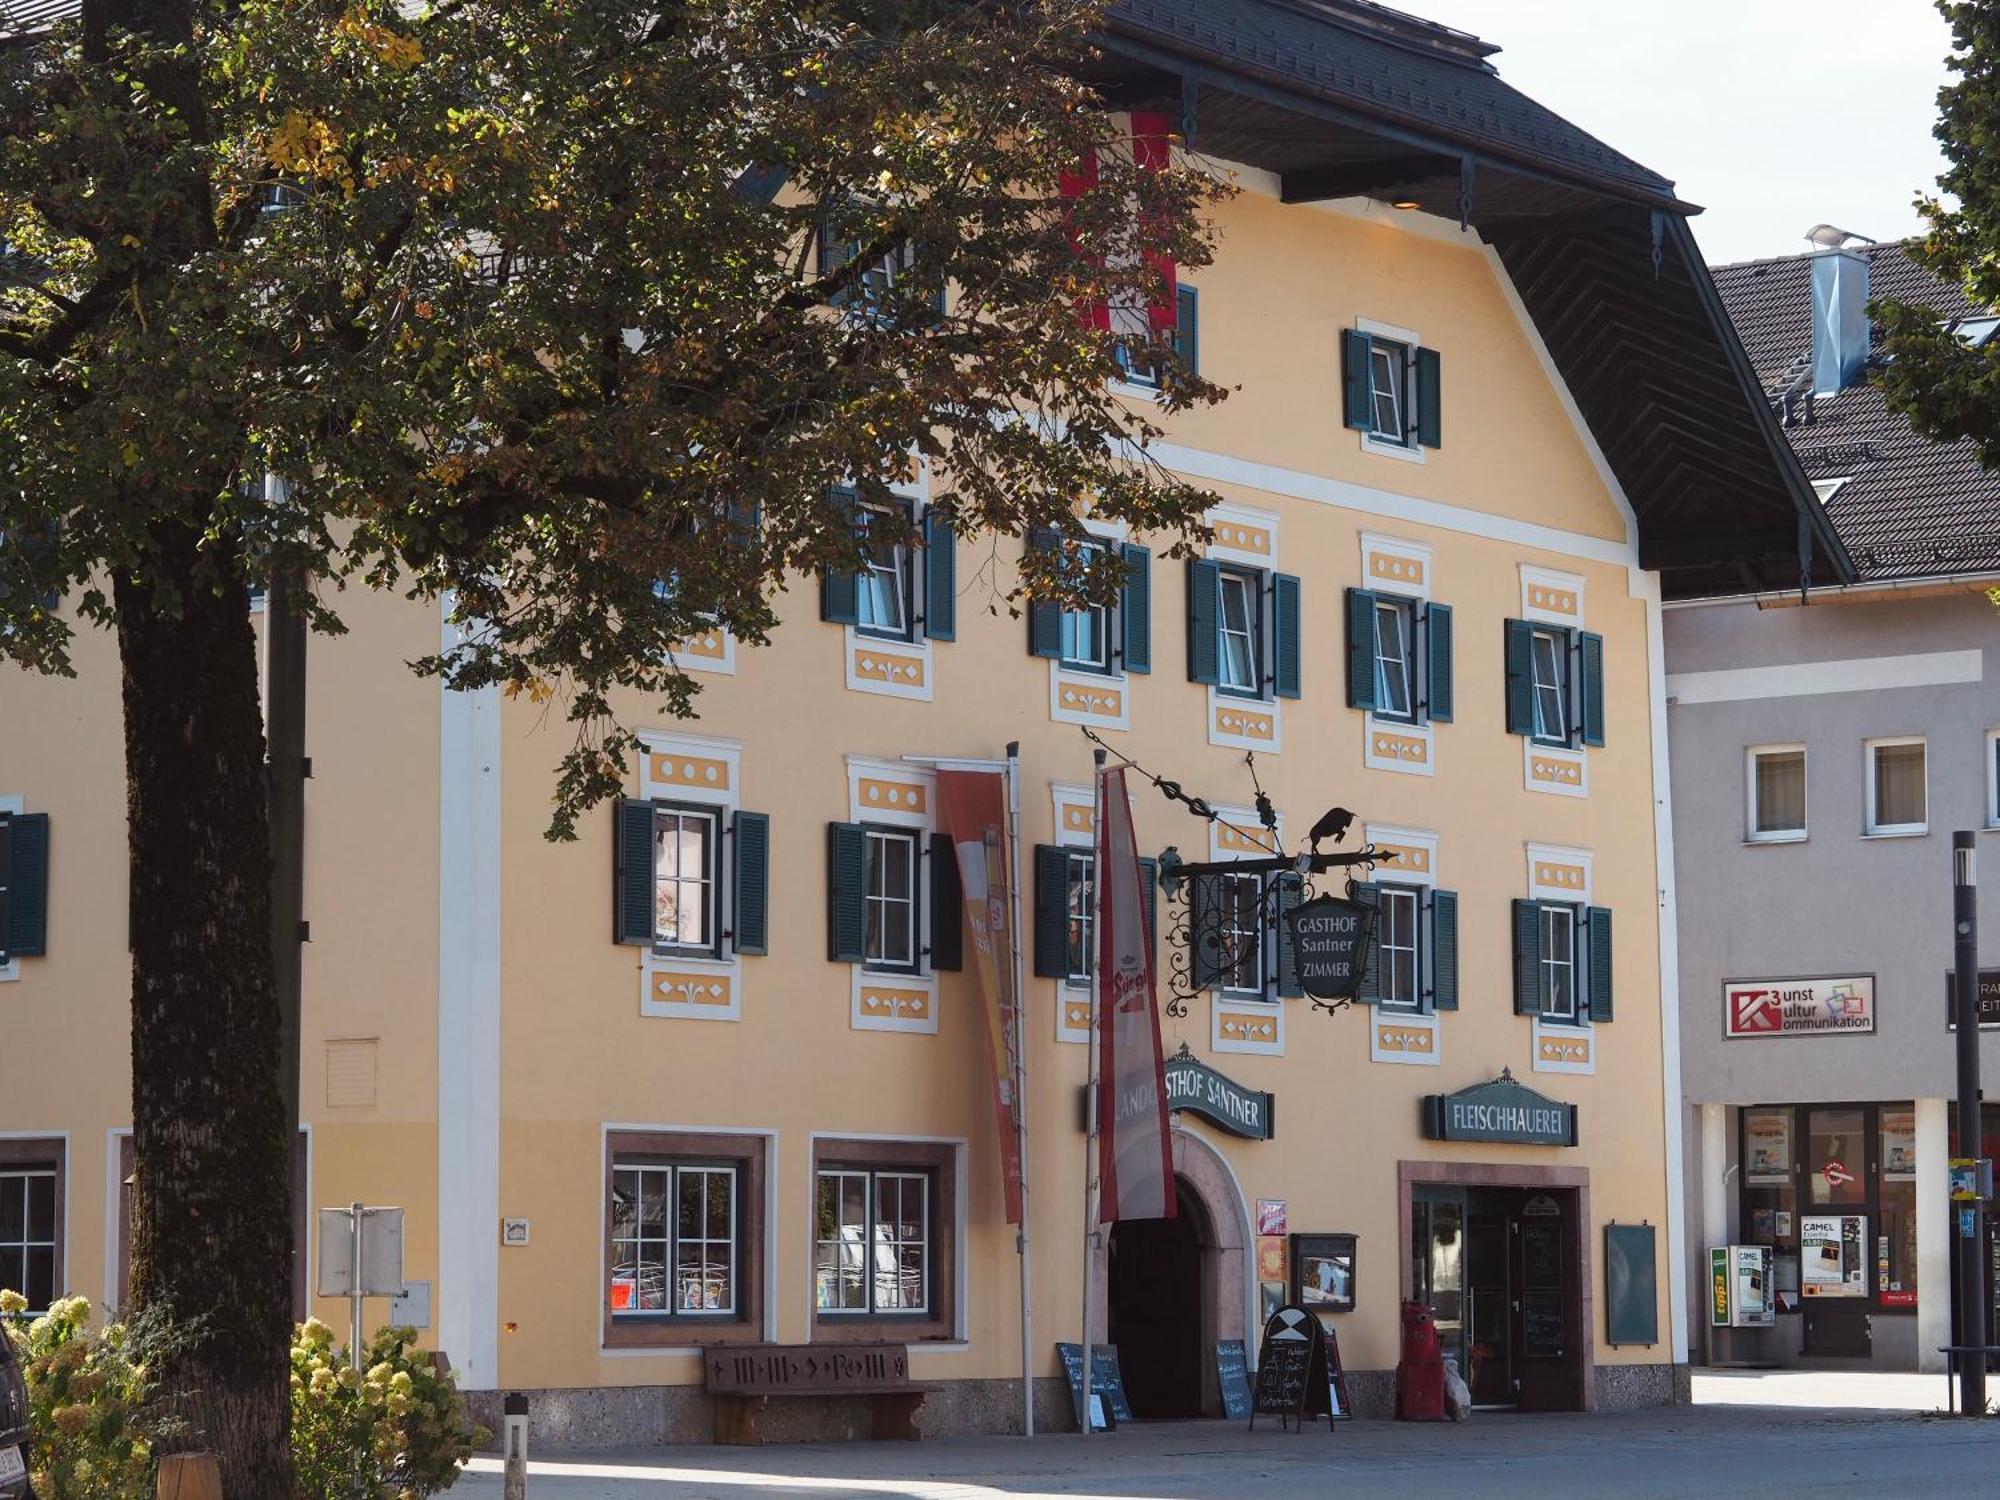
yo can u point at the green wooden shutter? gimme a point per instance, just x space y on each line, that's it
1051 911
1149 887
1368 894
1360 395
846 889
1437 662
1590 687
1290 893
1204 931
632 912
1187 328
1285 639
947 907
833 254
1361 647
27 908
839 593
1520 643
940 577
1044 615
1528 958
1204 608
1598 922
1135 610
753 881
1429 426
1444 950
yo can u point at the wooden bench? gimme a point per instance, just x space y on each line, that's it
743 1378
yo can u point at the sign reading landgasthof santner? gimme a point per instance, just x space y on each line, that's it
1798 1007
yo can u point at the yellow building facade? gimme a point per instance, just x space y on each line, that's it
741 1128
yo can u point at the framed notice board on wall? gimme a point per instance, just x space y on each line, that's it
1631 1285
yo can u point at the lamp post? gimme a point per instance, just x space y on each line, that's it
1972 1294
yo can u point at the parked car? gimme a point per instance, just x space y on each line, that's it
13 1425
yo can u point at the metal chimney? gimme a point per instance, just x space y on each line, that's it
1840 309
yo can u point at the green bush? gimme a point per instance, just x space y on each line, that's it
393 1430
90 1435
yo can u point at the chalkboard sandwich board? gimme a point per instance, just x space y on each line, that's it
1292 1373
1232 1373
1107 1383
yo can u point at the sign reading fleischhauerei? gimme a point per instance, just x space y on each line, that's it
1329 939
1502 1110
1194 1086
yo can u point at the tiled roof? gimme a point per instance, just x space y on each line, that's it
1910 507
20 18
1386 63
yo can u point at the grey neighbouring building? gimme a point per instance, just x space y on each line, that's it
1824 747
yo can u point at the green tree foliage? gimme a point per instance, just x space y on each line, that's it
510 299
498 291
1948 390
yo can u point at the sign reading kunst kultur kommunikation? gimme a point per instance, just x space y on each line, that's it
1329 939
1798 1007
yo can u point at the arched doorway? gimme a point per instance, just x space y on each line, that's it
1158 1304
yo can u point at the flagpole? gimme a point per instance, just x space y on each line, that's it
1018 978
1090 1178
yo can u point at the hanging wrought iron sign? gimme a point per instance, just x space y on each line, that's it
1225 917
1330 939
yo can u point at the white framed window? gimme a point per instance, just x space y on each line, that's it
1550 659
28 1233
1399 943
883 586
1080 924
673 1239
1240 669
871 1242
1775 789
890 915
1087 632
1395 660
686 866
1241 926
1388 390
1559 961
1898 790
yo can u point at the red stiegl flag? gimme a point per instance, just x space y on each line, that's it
1135 1156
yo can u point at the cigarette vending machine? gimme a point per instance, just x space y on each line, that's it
1740 1286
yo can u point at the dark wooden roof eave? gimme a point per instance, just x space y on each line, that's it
1414 133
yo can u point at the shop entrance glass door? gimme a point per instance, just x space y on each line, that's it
1835 1233
1437 1262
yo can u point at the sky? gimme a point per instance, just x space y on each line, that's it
1774 115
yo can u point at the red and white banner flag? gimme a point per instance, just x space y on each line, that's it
1135 1157
975 815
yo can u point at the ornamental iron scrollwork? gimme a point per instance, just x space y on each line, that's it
1204 945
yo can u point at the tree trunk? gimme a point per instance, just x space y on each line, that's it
212 1221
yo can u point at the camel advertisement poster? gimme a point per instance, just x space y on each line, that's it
1798 1007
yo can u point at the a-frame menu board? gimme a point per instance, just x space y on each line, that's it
1293 1376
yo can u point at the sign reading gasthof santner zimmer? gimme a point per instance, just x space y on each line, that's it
1329 941
1798 1007
1502 1110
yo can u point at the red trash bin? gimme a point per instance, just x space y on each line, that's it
1420 1372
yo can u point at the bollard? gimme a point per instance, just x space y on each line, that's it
189 1476
514 1445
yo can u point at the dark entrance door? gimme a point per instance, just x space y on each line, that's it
1842 1214
1156 1301
1501 1271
